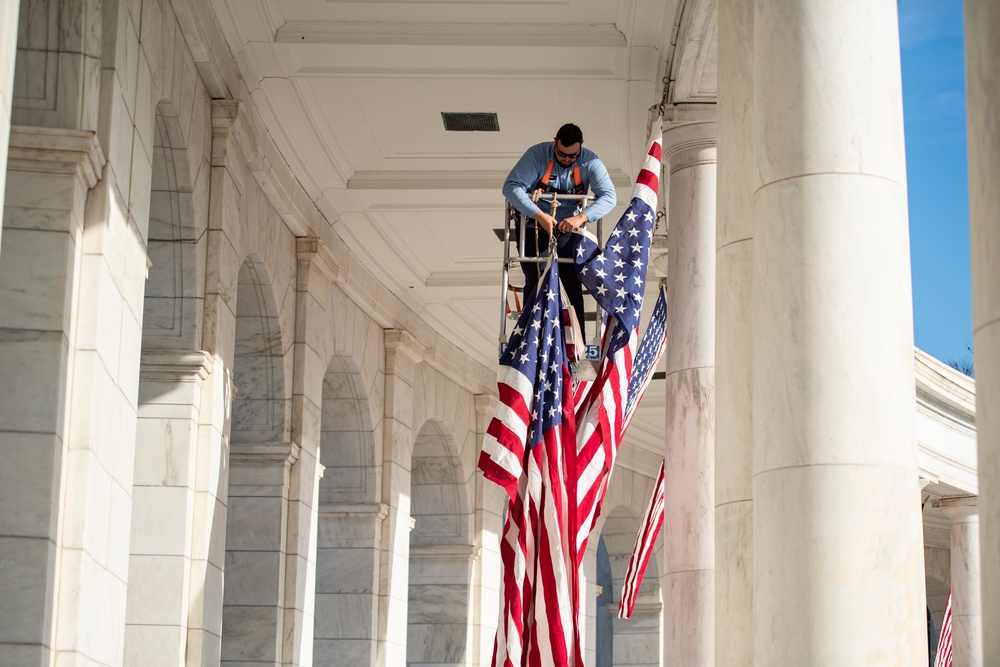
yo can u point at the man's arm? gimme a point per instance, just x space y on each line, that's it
604 191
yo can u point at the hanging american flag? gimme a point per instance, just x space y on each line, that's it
652 521
943 658
555 489
615 277
654 342
535 416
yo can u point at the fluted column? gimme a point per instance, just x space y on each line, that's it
734 340
982 83
833 343
966 595
689 501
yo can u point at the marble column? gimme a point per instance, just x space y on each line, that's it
50 174
315 271
982 83
156 612
832 343
402 354
966 594
689 515
734 340
8 56
256 545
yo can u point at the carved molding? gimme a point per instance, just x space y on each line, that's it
46 150
458 552
314 261
263 454
175 365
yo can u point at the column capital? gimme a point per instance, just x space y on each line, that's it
56 151
311 254
235 141
175 365
263 454
402 353
958 508
689 144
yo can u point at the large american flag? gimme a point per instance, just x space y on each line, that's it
524 451
616 278
556 489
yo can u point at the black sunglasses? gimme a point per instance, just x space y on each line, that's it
567 156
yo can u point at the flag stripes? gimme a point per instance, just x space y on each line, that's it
652 521
944 652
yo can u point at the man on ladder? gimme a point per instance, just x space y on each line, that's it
562 166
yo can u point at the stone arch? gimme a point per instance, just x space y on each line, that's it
349 522
347 442
169 396
174 297
634 641
441 553
260 459
260 406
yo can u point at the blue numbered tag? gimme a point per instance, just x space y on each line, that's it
593 352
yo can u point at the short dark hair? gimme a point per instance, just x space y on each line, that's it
569 134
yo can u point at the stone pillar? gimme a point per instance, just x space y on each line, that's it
315 270
637 639
8 55
734 340
229 152
689 501
256 544
156 613
402 354
982 83
966 594
349 540
833 343
49 174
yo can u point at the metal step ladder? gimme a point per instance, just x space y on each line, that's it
513 240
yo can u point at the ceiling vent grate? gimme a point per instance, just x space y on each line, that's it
470 122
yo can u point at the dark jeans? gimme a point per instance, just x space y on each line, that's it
565 247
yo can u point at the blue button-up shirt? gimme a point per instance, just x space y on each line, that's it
524 177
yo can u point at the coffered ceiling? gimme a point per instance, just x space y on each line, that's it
353 93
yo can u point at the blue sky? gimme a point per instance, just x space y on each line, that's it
931 46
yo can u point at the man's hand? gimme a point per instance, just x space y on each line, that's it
547 222
569 224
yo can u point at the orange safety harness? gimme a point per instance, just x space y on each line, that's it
578 187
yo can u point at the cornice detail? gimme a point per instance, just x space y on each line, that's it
175 365
56 151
